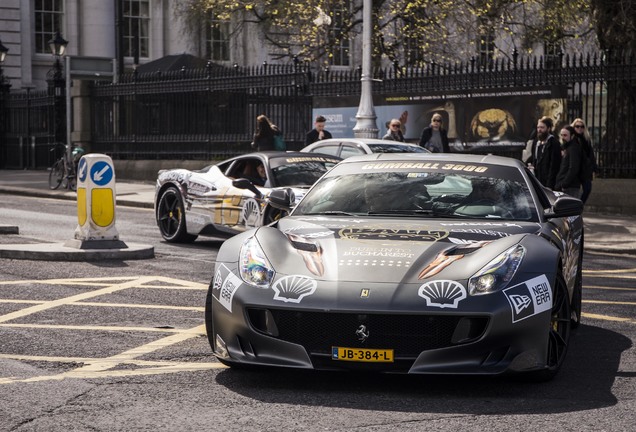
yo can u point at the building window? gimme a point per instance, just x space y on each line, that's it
136 28
413 52
552 54
217 41
49 16
341 51
485 42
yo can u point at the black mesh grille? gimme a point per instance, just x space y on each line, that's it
407 335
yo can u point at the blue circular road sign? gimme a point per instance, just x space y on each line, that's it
101 173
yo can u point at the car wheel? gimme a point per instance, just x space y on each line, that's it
558 333
577 296
171 217
209 327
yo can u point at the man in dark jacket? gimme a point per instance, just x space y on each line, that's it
319 132
546 154
569 177
435 137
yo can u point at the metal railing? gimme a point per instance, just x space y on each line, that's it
210 113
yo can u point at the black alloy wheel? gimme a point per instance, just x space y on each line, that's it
171 217
559 331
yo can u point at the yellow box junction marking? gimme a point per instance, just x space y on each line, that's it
106 367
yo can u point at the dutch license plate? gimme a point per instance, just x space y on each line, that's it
362 355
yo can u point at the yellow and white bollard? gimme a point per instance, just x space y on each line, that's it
96 203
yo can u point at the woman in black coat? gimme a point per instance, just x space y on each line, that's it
264 135
435 137
569 177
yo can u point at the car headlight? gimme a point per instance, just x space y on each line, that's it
497 273
254 266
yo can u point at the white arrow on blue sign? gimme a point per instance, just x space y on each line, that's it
101 173
82 171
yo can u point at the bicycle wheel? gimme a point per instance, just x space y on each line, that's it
56 175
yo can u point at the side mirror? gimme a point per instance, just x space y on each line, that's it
565 206
282 199
243 183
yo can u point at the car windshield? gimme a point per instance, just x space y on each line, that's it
299 171
414 193
396 148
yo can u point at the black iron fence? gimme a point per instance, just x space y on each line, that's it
210 113
197 114
33 122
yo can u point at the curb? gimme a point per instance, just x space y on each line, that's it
60 252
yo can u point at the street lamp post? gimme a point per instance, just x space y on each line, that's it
365 118
57 85
4 89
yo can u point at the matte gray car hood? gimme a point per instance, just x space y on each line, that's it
387 250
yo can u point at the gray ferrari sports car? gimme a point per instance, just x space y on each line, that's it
417 263
227 198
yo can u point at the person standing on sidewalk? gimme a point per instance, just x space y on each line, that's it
319 132
264 134
589 160
394 133
434 137
569 177
546 154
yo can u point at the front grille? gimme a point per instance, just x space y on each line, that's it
407 335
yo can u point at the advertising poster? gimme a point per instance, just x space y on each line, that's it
476 121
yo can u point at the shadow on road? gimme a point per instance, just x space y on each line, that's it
584 383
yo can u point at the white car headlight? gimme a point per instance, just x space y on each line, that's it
497 273
254 266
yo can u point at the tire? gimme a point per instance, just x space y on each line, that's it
577 296
56 175
171 217
558 332
209 326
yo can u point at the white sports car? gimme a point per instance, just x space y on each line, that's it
227 198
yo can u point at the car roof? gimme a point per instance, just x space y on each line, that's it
436 157
267 155
361 142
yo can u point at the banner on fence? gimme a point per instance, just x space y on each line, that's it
475 120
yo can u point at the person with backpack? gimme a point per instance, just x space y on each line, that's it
267 135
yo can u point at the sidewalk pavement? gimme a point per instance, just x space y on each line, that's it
603 232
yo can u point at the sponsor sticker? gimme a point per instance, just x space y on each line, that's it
529 298
224 286
292 289
442 293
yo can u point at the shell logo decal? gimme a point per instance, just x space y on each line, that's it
442 293
292 289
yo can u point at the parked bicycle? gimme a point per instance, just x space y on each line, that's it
63 172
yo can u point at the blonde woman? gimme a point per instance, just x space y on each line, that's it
589 164
434 137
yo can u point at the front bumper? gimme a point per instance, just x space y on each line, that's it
478 337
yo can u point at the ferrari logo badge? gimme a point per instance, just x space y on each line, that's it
364 293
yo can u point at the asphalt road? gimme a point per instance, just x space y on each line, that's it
120 346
